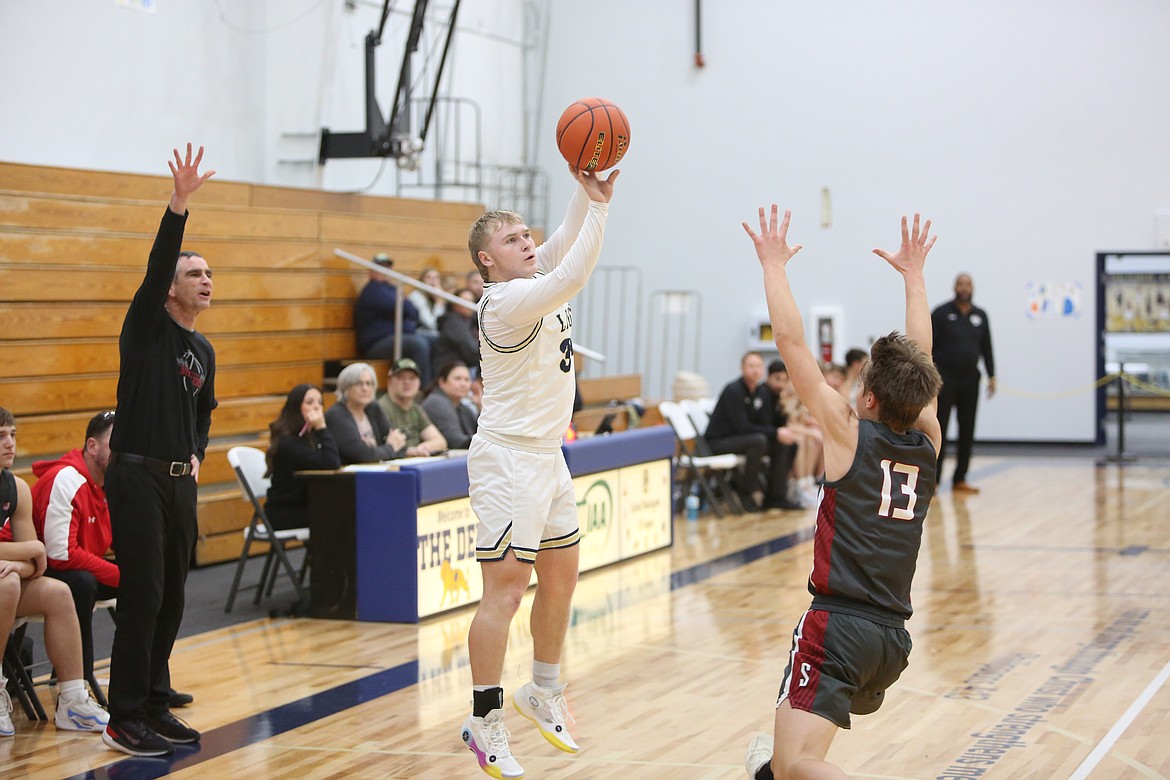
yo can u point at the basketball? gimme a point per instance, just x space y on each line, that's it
593 134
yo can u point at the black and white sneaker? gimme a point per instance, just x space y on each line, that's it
171 728
135 738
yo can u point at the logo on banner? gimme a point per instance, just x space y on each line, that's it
454 581
597 503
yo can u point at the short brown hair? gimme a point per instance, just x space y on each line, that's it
481 233
6 418
902 378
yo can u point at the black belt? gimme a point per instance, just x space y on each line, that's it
172 468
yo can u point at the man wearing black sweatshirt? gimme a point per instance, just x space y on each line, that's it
962 336
166 392
742 422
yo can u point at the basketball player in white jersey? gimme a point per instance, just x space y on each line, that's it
520 487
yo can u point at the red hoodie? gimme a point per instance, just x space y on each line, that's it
71 517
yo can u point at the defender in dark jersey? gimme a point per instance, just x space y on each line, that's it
880 475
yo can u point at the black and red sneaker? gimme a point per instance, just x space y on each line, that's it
171 728
135 738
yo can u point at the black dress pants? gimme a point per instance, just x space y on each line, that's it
961 394
154 525
753 446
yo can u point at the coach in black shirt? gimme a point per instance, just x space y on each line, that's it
961 336
743 422
166 392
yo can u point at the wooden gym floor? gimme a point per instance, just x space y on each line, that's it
1042 650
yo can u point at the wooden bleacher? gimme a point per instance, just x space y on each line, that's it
73 249
600 393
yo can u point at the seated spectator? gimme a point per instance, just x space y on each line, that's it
430 307
72 520
742 423
400 405
373 319
359 426
24 591
473 281
299 440
456 341
450 408
791 415
835 377
855 360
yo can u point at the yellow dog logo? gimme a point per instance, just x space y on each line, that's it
454 580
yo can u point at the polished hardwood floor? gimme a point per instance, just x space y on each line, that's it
1042 650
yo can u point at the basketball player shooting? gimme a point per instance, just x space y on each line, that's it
519 485
880 475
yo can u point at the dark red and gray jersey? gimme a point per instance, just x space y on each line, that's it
869 525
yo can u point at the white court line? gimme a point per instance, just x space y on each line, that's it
1103 747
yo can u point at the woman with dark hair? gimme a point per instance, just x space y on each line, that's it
299 441
449 408
455 340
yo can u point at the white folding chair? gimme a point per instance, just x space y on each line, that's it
249 465
700 413
701 467
700 417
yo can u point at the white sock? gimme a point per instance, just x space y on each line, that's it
71 689
545 675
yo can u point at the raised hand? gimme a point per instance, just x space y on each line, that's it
185 172
597 188
916 244
772 240
315 418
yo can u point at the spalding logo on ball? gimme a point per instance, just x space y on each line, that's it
593 134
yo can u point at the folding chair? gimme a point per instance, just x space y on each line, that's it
701 466
19 681
249 465
700 413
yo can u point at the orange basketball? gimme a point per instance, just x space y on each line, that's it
593 134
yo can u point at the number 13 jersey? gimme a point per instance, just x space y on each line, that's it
869 524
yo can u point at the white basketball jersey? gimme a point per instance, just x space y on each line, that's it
528 375
526 336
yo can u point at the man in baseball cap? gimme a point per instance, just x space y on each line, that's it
400 403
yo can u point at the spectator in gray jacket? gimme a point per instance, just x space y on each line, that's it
359 426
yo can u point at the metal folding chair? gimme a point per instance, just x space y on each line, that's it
249 465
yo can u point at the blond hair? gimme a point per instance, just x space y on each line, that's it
481 233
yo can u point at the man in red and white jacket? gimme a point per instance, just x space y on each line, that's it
73 520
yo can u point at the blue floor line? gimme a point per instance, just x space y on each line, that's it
287 717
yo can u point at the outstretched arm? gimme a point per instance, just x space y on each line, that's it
909 261
829 408
592 189
187 178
